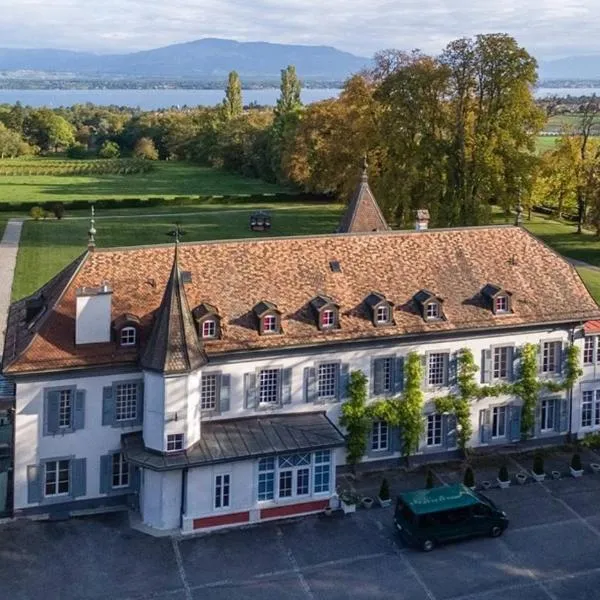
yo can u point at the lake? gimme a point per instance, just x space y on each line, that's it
154 99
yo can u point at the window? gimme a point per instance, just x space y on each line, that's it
120 471
268 386
270 324
434 430
550 357
386 374
328 318
126 402
432 310
548 416
501 304
590 350
498 422
65 409
266 479
379 436
222 491
128 336
208 392
294 475
383 314
174 442
56 478
209 329
327 381
322 471
500 366
436 373
590 409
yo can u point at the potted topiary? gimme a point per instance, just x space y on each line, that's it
576 466
349 500
429 480
503 478
469 478
538 468
384 494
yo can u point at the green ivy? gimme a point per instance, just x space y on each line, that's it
528 387
355 418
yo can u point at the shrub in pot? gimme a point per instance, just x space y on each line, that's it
503 478
576 466
538 467
429 480
384 493
469 478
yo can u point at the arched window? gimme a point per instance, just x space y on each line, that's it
128 336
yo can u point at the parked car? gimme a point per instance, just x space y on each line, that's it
425 518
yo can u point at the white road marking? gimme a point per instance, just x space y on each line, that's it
182 576
295 567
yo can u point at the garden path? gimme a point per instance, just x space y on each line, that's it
9 246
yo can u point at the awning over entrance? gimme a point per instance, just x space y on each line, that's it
240 439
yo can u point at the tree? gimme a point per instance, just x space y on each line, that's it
11 143
109 150
49 131
145 149
232 103
289 99
77 151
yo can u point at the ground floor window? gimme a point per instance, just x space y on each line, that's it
434 430
120 471
294 475
57 478
222 482
590 408
548 415
380 436
498 422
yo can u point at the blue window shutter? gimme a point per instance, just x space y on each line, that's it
377 365
310 384
396 439
425 366
486 366
51 408
561 420
485 425
450 431
369 449
510 358
106 473
79 413
446 365
286 376
343 381
108 406
34 483
398 374
224 393
140 404
538 417
250 390
134 478
515 423
452 369
78 477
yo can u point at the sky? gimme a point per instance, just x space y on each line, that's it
547 28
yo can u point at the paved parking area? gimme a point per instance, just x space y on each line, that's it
550 551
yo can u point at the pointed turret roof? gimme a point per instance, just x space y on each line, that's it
363 213
173 346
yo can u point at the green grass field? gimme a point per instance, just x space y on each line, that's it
168 179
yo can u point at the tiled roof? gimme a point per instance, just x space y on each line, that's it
240 439
233 276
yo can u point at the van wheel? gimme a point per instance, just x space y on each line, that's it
428 545
496 531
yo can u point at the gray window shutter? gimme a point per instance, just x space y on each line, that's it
34 483
561 421
250 390
538 417
78 477
425 365
450 431
105 473
396 439
343 380
452 369
486 366
79 413
377 373
446 367
224 393
286 376
135 475
539 357
398 374
369 449
140 404
108 405
51 408
560 354
485 425
310 384
515 423
510 357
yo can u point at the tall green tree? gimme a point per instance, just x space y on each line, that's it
48 130
289 99
232 103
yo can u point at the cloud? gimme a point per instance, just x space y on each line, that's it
547 28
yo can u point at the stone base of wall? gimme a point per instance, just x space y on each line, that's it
75 508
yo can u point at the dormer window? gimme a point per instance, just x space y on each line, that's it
326 312
126 330
498 299
209 328
128 336
382 314
432 311
501 304
269 318
327 318
430 305
380 309
269 324
208 321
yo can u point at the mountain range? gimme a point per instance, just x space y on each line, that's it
201 59
571 68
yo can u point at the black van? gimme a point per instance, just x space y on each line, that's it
424 518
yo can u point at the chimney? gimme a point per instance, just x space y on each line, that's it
422 219
93 315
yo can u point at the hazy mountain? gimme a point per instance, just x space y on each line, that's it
571 67
206 58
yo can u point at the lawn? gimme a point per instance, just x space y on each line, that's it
543 143
167 179
47 246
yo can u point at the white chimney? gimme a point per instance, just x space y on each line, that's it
93 315
422 220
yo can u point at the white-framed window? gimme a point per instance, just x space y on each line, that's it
266 479
222 490
270 324
434 430
383 314
500 367
128 336
65 409
209 328
174 442
498 422
501 304
387 366
322 474
294 475
268 386
126 401
327 375
328 318
590 408
57 477
380 436
548 415
550 357
120 471
591 354
208 391
432 310
436 368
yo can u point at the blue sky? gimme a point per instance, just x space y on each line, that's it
548 28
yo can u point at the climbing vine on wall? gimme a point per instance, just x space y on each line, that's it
355 418
528 387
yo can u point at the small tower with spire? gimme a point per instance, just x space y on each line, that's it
92 233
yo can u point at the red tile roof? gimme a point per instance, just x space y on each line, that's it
233 276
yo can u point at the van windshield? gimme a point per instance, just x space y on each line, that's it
404 510
486 500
